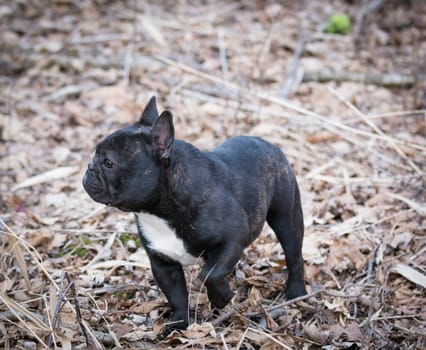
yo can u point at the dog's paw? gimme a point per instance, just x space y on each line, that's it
179 321
220 301
294 290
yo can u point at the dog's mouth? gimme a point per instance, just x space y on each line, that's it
93 186
93 190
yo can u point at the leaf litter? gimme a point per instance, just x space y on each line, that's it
71 72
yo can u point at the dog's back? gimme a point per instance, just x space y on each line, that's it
258 174
255 156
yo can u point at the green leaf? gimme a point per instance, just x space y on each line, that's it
339 23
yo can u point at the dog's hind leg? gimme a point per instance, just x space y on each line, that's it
285 217
220 262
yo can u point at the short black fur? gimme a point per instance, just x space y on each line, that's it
217 202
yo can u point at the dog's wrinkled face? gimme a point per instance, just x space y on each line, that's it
125 170
122 173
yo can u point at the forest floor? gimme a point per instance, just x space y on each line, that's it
349 111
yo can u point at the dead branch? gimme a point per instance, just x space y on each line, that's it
326 75
59 305
295 73
369 8
386 79
377 130
226 315
232 311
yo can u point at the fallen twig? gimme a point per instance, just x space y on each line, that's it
16 315
370 7
419 208
59 305
61 302
47 176
77 309
295 300
280 343
295 73
61 94
222 52
225 346
232 311
223 317
283 103
385 79
22 315
373 126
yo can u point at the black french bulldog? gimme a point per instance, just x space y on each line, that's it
192 206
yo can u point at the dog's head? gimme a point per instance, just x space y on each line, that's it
126 168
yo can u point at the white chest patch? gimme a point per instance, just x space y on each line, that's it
162 239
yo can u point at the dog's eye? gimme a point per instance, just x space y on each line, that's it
108 164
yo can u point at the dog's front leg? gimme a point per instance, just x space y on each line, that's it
220 262
170 277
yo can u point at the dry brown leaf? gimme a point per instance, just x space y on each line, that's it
147 306
369 214
81 115
39 237
121 329
321 137
212 109
254 297
7 285
351 331
56 105
338 305
271 323
198 331
12 128
270 345
312 244
316 334
401 240
410 274
140 333
258 281
345 253
45 221
58 240
116 100
19 257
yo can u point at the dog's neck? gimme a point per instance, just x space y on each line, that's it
180 178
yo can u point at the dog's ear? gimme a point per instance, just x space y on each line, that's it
163 135
150 113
